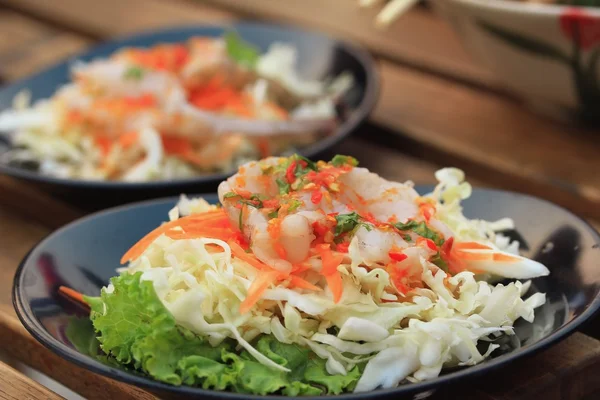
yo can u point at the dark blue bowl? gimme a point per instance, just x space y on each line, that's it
84 254
319 56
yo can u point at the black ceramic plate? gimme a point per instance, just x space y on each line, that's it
84 254
319 56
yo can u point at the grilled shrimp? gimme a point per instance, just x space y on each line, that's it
377 205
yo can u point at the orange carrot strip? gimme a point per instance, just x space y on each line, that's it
128 139
298 282
504 257
335 283
103 143
463 255
238 252
175 144
221 234
329 259
73 295
471 246
257 288
137 249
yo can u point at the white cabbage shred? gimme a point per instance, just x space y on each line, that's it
440 326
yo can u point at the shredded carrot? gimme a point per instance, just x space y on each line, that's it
103 143
471 246
136 250
474 256
274 230
329 259
257 288
128 139
504 257
263 147
249 258
298 282
72 295
175 144
222 234
428 210
330 262
335 283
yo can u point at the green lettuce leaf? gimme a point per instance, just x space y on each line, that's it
135 329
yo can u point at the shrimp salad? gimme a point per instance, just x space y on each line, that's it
173 111
315 278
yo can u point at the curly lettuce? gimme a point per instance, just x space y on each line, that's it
136 330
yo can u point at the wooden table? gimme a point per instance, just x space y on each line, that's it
437 107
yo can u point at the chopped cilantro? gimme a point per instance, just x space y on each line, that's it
229 195
273 214
407 238
339 160
294 204
254 201
241 51
439 262
284 187
309 164
134 73
421 229
346 222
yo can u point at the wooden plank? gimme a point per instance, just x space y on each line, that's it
115 17
462 125
18 236
27 46
489 135
20 345
419 38
566 371
16 386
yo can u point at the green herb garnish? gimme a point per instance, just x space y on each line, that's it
134 73
346 222
339 161
241 51
284 187
439 262
421 229
229 195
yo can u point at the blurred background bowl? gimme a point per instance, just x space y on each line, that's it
549 55
319 56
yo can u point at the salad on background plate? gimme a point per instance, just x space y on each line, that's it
173 111
315 278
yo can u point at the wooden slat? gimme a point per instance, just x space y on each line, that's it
419 38
116 17
25 348
16 386
486 133
566 371
27 46
478 129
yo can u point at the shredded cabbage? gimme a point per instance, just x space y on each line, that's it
440 325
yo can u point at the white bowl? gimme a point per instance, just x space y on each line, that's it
533 50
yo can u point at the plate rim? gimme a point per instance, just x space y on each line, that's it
34 327
360 115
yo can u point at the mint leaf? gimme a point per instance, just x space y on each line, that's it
240 51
